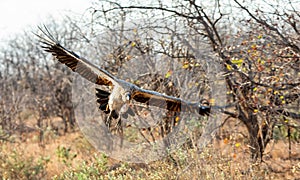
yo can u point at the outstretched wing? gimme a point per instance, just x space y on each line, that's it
170 103
76 63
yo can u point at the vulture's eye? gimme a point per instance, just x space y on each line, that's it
128 96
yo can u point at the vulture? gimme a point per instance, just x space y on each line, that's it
121 92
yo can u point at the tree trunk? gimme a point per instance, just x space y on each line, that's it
259 136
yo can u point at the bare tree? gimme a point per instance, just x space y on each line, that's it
258 49
32 83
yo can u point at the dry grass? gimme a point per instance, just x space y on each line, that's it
70 156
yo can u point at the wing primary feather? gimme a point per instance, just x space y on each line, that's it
102 100
72 60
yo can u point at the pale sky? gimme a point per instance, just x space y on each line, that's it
17 15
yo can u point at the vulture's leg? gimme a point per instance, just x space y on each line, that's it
112 115
108 120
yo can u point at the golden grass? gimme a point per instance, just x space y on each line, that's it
71 157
